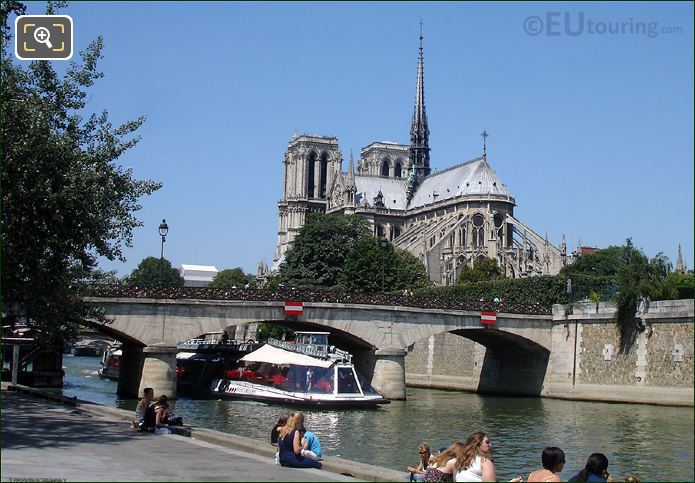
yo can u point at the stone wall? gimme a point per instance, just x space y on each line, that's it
657 369
446 361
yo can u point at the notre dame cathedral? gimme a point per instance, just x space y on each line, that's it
448 219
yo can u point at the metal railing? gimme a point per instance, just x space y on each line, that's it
321 351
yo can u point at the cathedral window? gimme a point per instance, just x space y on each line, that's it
310 175
478 230
396 232
385 168
499 220
323 175
398 171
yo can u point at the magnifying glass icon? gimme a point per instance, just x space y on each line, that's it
43 36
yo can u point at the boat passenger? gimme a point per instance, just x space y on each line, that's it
290 445
417 474
553 459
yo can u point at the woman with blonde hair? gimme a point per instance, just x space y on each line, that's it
290 445
475 463
417 474
443 466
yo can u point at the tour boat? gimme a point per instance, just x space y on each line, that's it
305 372
111 363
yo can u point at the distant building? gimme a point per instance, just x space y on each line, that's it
197 275
448 219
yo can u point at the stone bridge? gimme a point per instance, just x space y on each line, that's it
377 329
563 352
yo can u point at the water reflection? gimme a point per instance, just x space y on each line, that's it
633 437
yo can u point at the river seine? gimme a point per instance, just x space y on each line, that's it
653 442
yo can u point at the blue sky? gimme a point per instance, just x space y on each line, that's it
592 133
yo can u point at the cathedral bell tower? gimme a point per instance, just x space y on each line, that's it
311 164
419 132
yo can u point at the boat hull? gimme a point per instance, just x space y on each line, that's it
254 392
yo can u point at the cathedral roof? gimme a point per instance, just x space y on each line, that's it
474 177
392 189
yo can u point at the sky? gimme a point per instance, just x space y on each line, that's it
591 131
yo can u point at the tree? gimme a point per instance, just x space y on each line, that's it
264 331
639 278
232 277
603 262
363 268
153 272
320 249
483 269
65 202
678 286
411 273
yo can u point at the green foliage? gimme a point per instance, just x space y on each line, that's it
638 278
483 269
544 290
65 202
678 286
153 273
320 250
604 262
233 277
264 331
411 273
363 269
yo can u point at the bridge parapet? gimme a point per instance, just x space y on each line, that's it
281 295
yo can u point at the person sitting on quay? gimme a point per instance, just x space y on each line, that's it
142 406
443 466
596 470
475 463
155 420
418 473
274 433
311 447
290 445
553 459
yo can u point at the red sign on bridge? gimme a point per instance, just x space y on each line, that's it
294 308
488 318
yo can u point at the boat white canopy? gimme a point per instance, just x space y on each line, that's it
275 355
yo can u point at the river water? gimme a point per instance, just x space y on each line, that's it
653 442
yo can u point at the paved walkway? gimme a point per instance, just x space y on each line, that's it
45 440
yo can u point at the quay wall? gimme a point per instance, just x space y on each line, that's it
585 362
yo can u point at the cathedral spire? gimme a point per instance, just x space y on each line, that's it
680 263
419 132
351 173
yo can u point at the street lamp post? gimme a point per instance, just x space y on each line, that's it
384 243
163 230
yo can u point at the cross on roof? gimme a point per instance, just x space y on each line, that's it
484 135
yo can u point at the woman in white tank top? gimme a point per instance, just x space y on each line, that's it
476 464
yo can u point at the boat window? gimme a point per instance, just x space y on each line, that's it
346 381
367 388
321 380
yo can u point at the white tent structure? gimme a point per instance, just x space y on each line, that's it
281 357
